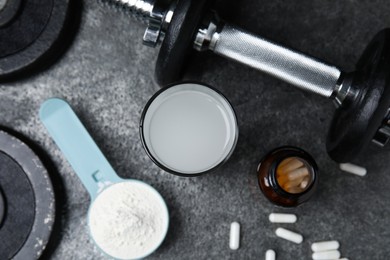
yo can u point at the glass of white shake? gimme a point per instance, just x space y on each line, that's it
188 129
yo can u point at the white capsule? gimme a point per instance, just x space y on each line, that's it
343 258
270 255
282 218
325 246
289 235
234 242
325 255
354 169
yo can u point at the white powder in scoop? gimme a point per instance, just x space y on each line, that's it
128 220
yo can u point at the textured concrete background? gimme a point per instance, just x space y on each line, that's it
107 76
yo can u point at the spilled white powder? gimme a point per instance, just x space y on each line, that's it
128 220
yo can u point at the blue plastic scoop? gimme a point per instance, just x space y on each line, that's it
100 179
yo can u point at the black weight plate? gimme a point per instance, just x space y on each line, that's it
26 27
29 201
355 124
178 41
20 207
31 34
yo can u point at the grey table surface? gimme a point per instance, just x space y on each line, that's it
107 77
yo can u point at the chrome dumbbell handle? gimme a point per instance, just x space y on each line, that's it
141 9
156 14
288 65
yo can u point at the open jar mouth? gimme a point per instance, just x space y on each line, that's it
188 129
294 175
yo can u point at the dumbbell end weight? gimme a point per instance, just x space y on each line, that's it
178 40
358 122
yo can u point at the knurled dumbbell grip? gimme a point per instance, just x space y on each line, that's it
291 66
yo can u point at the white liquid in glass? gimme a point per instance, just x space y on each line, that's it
190 128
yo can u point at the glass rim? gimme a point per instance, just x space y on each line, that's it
166 168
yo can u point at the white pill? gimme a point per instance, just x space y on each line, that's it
289 235
282 218
270 255
354 169
325 246
326 255
343 258
234 242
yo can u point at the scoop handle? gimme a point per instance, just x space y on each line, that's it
85 157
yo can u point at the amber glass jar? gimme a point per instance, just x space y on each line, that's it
288 176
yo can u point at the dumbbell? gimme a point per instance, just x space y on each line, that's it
362 97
